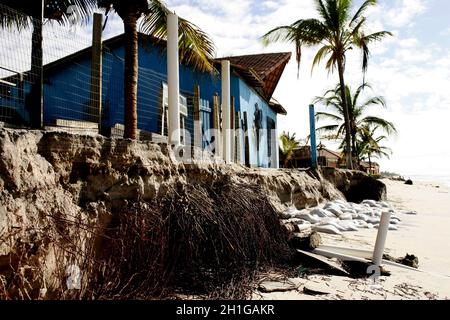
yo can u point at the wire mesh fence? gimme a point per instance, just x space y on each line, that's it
76 97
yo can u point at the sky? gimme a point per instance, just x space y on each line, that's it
411 70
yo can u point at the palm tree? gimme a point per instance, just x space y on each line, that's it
357 119
336 31
287 147
370 146
196 48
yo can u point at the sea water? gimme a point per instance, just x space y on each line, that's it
443 179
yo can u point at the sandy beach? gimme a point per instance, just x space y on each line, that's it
426 235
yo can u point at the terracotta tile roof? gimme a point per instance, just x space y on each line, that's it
268 68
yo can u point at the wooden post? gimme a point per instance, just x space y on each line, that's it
96 71
233 132
216 126
246 141
197 119
238 130
312 129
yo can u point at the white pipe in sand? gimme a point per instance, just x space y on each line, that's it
226 128
173 80
381 238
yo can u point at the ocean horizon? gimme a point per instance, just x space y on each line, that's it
443 179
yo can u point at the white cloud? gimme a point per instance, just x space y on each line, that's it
404 12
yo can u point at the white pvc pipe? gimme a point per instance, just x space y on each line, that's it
381 238
226 129
173 80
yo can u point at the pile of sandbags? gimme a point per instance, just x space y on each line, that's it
339 216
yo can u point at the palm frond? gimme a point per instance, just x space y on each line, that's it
387 126
359 13
328 116
196 48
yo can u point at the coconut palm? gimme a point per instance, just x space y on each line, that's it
357 118
369 145
287 147
196 48
336 31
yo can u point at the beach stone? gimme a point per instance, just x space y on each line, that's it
277 286
366 188
409 182
410 212
316 288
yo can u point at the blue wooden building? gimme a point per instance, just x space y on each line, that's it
68 100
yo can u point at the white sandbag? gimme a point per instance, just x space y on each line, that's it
332 222
371 203
335 210
369 226
307 217
327 229
345 216
361 217
321 213
361 224
348 225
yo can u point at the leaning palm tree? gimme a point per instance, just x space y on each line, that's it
336 32
196 48
332 99
287 147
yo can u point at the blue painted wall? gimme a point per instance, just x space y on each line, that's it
66 94
249 98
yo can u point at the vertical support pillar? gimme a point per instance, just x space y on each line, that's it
216 126
226 132
312 129
197 119
173 80
277 148
96 71
232 132
246 141
238 130
381 238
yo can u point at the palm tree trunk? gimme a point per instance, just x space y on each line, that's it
346 115
370 164
37 62
131 76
